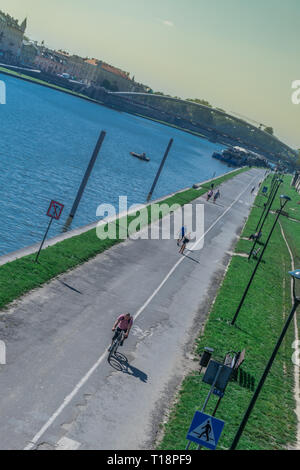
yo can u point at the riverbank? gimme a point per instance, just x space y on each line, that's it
36 81
273 423
71 252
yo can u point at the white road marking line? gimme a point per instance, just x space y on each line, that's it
67 444
86 377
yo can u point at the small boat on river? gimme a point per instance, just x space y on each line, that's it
141 156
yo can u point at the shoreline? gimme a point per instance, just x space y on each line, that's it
65 255
31 249
27 78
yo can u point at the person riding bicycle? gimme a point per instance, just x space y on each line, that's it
181 235
185 241
123 323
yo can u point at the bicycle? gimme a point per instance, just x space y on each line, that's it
115 346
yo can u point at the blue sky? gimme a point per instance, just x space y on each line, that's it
240 55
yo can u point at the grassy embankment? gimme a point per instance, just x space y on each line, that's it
23 275
272 424
36 81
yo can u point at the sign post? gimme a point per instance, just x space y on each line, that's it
54 212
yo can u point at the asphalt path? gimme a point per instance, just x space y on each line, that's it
58 390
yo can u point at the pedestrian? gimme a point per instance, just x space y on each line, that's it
255 236
209 195
216 196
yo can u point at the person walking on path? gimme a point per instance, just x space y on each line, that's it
209 195
216 196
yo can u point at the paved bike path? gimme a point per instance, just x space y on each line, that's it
57 383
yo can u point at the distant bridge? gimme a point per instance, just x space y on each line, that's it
215 124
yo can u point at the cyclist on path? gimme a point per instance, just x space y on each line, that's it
123 323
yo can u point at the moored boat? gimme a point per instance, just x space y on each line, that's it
141 156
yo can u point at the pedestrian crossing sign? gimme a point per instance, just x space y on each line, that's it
205 430
55 210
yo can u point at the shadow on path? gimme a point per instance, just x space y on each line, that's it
193 259
120 363
70 287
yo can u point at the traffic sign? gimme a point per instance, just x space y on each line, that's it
223 377
205 430
55 210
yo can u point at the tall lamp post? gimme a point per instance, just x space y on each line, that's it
296 302
266 215
273 186
283 201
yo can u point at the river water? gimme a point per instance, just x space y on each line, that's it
47 138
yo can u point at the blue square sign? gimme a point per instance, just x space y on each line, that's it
205 430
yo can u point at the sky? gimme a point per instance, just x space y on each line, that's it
240 55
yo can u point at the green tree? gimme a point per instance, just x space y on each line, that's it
269 130
298 160
196 100
106 84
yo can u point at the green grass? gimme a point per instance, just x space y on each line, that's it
293 207
272 424
23 275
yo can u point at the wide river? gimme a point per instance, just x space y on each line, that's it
47 138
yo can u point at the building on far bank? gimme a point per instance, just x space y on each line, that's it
29 52
16 49
11 38
50 62
90 72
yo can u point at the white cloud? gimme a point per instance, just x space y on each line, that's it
166 22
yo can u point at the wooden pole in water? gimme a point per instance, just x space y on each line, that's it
85 180
160 170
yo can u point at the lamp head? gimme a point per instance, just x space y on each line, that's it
284 199
295 274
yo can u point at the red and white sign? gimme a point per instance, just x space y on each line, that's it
55 210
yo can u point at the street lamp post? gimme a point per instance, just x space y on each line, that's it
296 302
273 186
266 215
283 201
